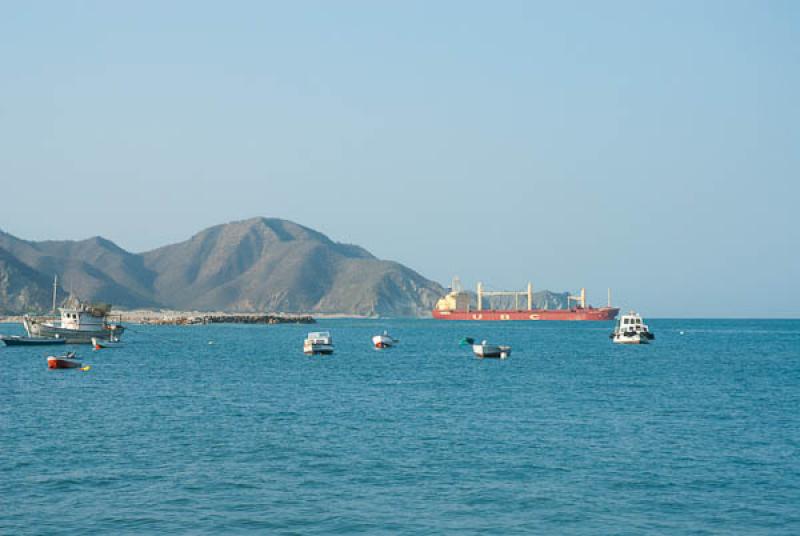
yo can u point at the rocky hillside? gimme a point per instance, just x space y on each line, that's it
95 269
22 288
276 265
259 264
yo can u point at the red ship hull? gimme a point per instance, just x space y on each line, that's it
590 313
56 363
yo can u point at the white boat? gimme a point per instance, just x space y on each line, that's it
384 341
318 342
78 324
630 329
484 349
99 344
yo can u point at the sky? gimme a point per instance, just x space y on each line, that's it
649 147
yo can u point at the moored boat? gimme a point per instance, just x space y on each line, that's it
16 340
384 341
630 329
65 361
99 344
484 349
318 342
77 324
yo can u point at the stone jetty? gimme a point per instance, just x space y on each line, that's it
185 318
231 319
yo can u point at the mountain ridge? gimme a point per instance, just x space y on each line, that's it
257 264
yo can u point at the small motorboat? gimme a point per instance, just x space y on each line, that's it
384 341
99 344
630 329
16 340
484 349
318 342
63 361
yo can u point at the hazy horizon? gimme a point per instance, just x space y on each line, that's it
650 148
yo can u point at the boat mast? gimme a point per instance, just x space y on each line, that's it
609 297
55 290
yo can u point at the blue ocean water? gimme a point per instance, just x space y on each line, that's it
697 433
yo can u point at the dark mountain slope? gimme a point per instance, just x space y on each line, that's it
94 269
22 289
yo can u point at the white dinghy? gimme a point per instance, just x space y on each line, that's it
384 341
484 349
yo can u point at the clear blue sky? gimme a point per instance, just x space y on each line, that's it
650 147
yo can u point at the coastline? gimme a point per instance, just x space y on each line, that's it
173 317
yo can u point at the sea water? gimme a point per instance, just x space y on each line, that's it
226 429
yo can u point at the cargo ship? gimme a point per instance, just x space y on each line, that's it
457 305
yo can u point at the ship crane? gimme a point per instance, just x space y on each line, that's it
528 293
580 299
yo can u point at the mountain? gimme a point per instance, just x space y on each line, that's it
276 265
261 264
21 287
95 269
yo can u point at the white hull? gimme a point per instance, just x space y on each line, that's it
316 349
383 341
97 344
491 350
72 336
636 338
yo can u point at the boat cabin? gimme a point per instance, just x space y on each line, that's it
80 318
631 322
319 337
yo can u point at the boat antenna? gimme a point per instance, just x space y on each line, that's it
55 290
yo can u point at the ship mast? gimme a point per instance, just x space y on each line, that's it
530 296
55 290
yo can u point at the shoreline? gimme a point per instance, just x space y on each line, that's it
173 317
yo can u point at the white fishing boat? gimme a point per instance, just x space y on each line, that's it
318 342
484 349
384 341
78 323
99 344
631 329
